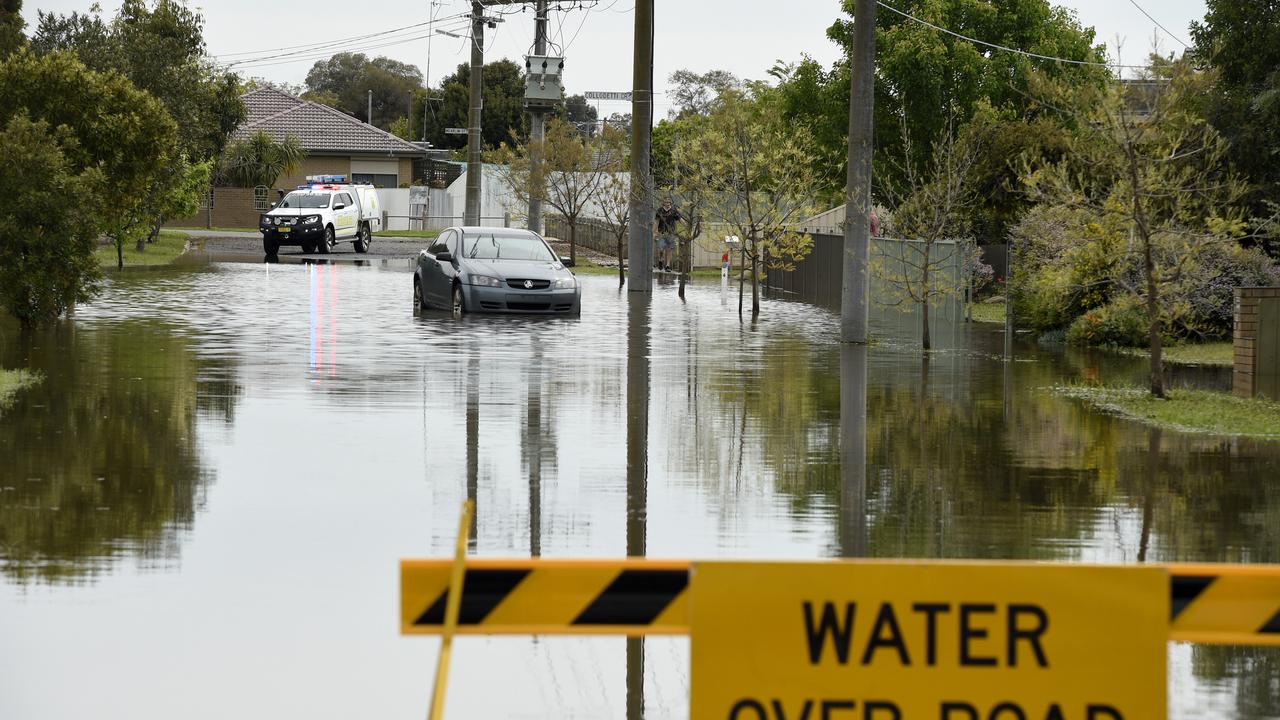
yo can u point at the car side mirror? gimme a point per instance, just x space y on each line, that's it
339 206
567 262
273 206
444 256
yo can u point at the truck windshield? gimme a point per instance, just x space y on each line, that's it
305 200
505 247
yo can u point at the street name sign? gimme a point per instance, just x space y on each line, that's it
455 131
868 640
599 95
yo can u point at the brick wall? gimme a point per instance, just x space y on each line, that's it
1247 318
232 208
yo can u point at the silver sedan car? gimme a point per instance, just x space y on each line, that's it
485 269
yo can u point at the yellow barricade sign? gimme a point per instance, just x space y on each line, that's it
928 640
547 596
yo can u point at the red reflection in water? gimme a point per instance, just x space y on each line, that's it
324 328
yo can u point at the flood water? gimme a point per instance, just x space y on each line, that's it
203 505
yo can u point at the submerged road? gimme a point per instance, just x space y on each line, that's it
230 242
204 502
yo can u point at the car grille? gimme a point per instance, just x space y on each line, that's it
536 284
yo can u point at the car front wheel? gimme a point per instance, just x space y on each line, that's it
326 243
418 301
458 305
269 245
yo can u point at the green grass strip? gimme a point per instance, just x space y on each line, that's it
169 246
1191 411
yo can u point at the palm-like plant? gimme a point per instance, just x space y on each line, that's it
260 160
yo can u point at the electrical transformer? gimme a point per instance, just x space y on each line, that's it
542 81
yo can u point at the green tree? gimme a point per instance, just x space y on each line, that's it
696 93
928 79
504 115
568 178
933 211
160 48
344 81
1241 40
614 197
259 160
104 122
577 111
11 25
48 224
753 170
1156 191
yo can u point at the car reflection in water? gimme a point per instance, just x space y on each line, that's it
480 269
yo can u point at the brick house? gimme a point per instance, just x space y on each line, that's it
336 144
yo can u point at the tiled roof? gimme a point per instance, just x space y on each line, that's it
319 128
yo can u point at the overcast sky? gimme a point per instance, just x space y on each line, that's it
745 37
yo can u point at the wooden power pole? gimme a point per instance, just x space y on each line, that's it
640 232
538 123
475 167
857 225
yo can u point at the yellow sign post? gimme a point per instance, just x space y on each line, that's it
937 641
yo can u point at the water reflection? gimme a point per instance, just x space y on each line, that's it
638 375
346 434
853 450
100 460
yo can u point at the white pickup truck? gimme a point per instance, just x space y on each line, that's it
321 214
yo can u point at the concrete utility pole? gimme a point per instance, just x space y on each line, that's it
474 162
369 117
640 232
538 124
857 225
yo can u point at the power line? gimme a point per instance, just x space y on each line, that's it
1005 48
330 46
318 54
1157 22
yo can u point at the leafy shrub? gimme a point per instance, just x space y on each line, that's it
1062 266
1120 322
1208 287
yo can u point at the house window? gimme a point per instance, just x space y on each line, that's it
260 198
376 179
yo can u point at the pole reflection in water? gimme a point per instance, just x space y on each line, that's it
473 442
638 313
532 448
853 450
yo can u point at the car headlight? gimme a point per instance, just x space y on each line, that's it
311 219
486 281
563 283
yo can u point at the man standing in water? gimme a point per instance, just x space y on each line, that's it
667 217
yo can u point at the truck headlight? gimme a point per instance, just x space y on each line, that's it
564 283
485 281
310 219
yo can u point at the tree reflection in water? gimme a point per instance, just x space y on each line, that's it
100 460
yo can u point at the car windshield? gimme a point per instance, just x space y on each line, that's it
505 247
305 200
